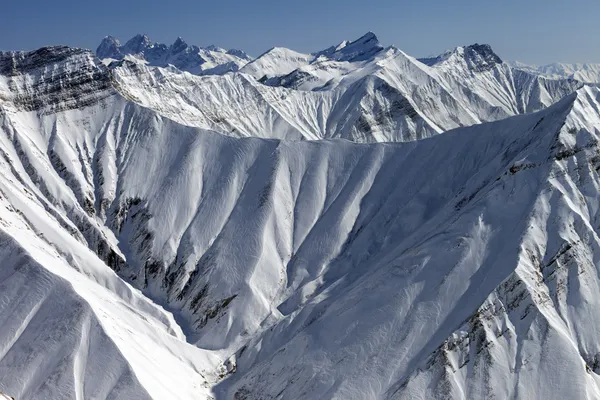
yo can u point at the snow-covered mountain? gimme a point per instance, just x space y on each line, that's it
357 90
162 236
193 59
388 97
279 62
584 72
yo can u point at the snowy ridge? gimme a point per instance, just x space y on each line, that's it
52 77
356 90
432 265
478 57
279 61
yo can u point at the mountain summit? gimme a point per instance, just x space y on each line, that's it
478 57
361 49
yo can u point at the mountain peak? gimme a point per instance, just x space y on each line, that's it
111 39
481 55
179 42
369 36
137 44
361 49
478 57
109 48
213 61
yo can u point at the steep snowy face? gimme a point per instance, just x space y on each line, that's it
585 72
193 59
476 289
237 105
476 74
71 328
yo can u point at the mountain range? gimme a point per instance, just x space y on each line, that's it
351 223
357 90
194 59
584 72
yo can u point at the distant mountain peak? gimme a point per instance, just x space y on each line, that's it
360 49
190 58
367 37
136 44
110 39
478 57
482 55
179 43
109 48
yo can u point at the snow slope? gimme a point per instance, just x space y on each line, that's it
461 265
71 328
470 279
193 59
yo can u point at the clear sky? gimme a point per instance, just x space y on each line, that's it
532 31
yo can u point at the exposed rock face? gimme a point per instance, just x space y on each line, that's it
478 57
53 78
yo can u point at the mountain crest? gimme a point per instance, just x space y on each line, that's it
109 48
481 56
477 57
190 58
361 49
137 44
179 45
21 62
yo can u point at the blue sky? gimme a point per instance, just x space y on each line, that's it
533 31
